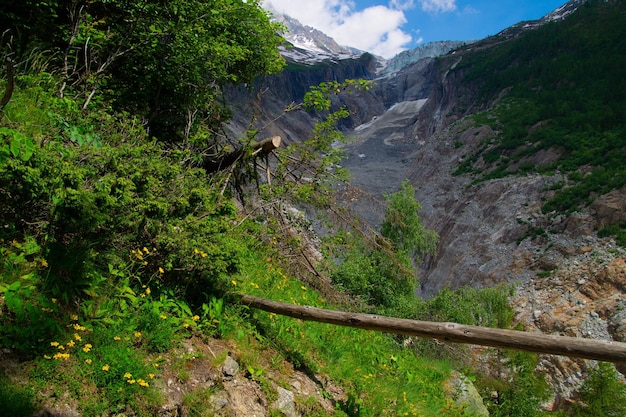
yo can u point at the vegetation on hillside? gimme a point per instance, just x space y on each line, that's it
115 246
566 94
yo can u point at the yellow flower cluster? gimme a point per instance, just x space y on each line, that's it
61 356
141 382
139 253
63 352
201 253
64 348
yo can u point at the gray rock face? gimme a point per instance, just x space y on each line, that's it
463 391
230 367
286 403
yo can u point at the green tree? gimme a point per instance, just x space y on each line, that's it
380 268
602 394
403 226
166 61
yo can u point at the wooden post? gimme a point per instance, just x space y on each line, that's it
608 351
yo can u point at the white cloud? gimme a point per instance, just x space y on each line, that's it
376 29
402 4
434 6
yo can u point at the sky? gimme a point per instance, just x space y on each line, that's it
387 27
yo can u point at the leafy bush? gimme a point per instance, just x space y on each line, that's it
602 394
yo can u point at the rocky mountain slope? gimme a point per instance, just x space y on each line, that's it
418 123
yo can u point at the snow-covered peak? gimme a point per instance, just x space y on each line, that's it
308 45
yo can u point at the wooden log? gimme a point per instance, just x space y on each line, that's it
608 351
261 148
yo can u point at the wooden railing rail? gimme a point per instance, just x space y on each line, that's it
608 351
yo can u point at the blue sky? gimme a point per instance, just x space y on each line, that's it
386 27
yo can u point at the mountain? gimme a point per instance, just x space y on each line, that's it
307 45
516 147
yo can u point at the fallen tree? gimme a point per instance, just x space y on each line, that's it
608 351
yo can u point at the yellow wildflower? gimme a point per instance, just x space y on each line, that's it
151 376
47 356
61 356
70 343
44 263
61 347
163 316
131 381
196 251
146 250
128 375
117 338
74 317
137 334
105 368
233 282
54 344
148 290
195 318
87 347
78 327
54 300
161 270
143 383
88 361
204 255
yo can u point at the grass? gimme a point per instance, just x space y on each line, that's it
111 363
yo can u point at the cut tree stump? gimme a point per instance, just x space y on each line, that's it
261 148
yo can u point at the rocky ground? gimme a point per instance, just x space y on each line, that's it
583 297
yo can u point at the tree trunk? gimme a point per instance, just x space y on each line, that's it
608 351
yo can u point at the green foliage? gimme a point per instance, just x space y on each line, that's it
16 145
603 393
519 395
617 230
380 270
16 401
28 316
565 94
403 226
165 61
377 275
487 307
